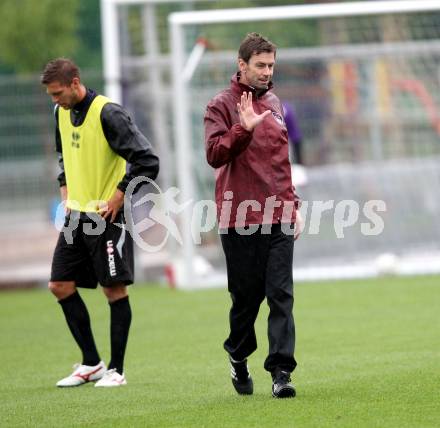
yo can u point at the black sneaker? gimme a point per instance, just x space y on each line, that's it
281 386
241 378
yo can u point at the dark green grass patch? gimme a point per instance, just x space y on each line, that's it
368 354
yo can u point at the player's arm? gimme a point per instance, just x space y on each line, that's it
287 111
128 142
299 221
111 208
223 143
59 149
299 225
63 193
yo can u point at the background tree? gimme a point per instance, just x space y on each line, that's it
32 32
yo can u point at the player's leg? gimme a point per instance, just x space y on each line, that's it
68 259
113 262
78 319
120 320
281 328
62 289
245 258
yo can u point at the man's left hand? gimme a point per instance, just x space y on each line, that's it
112 206
299 225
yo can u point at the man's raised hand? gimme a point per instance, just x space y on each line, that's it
248 118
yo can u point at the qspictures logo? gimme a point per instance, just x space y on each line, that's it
163 210
111 258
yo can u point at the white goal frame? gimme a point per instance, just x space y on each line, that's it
177 23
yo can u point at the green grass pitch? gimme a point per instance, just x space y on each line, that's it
368 353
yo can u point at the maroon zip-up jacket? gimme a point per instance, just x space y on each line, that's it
252 169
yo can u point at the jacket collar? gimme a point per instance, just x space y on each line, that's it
239 87
84 104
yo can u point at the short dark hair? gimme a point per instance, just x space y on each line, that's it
62 70
254 44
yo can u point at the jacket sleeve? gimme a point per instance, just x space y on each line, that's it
128 142
223 142
286 112
59 148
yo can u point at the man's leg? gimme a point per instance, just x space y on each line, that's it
281 328
78 320
279 293
245 261
113 261
71 269
120 320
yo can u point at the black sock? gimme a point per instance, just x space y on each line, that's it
78 320
120 320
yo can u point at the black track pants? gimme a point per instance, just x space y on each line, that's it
260 265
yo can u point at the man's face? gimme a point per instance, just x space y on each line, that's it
258 71
65 96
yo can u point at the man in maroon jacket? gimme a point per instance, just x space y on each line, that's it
247 144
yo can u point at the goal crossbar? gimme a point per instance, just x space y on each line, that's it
325 10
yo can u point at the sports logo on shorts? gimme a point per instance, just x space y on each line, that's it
111 258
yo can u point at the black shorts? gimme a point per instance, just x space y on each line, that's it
90 250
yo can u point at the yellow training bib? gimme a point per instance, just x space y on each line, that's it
92 168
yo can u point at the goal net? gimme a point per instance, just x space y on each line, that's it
363 79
